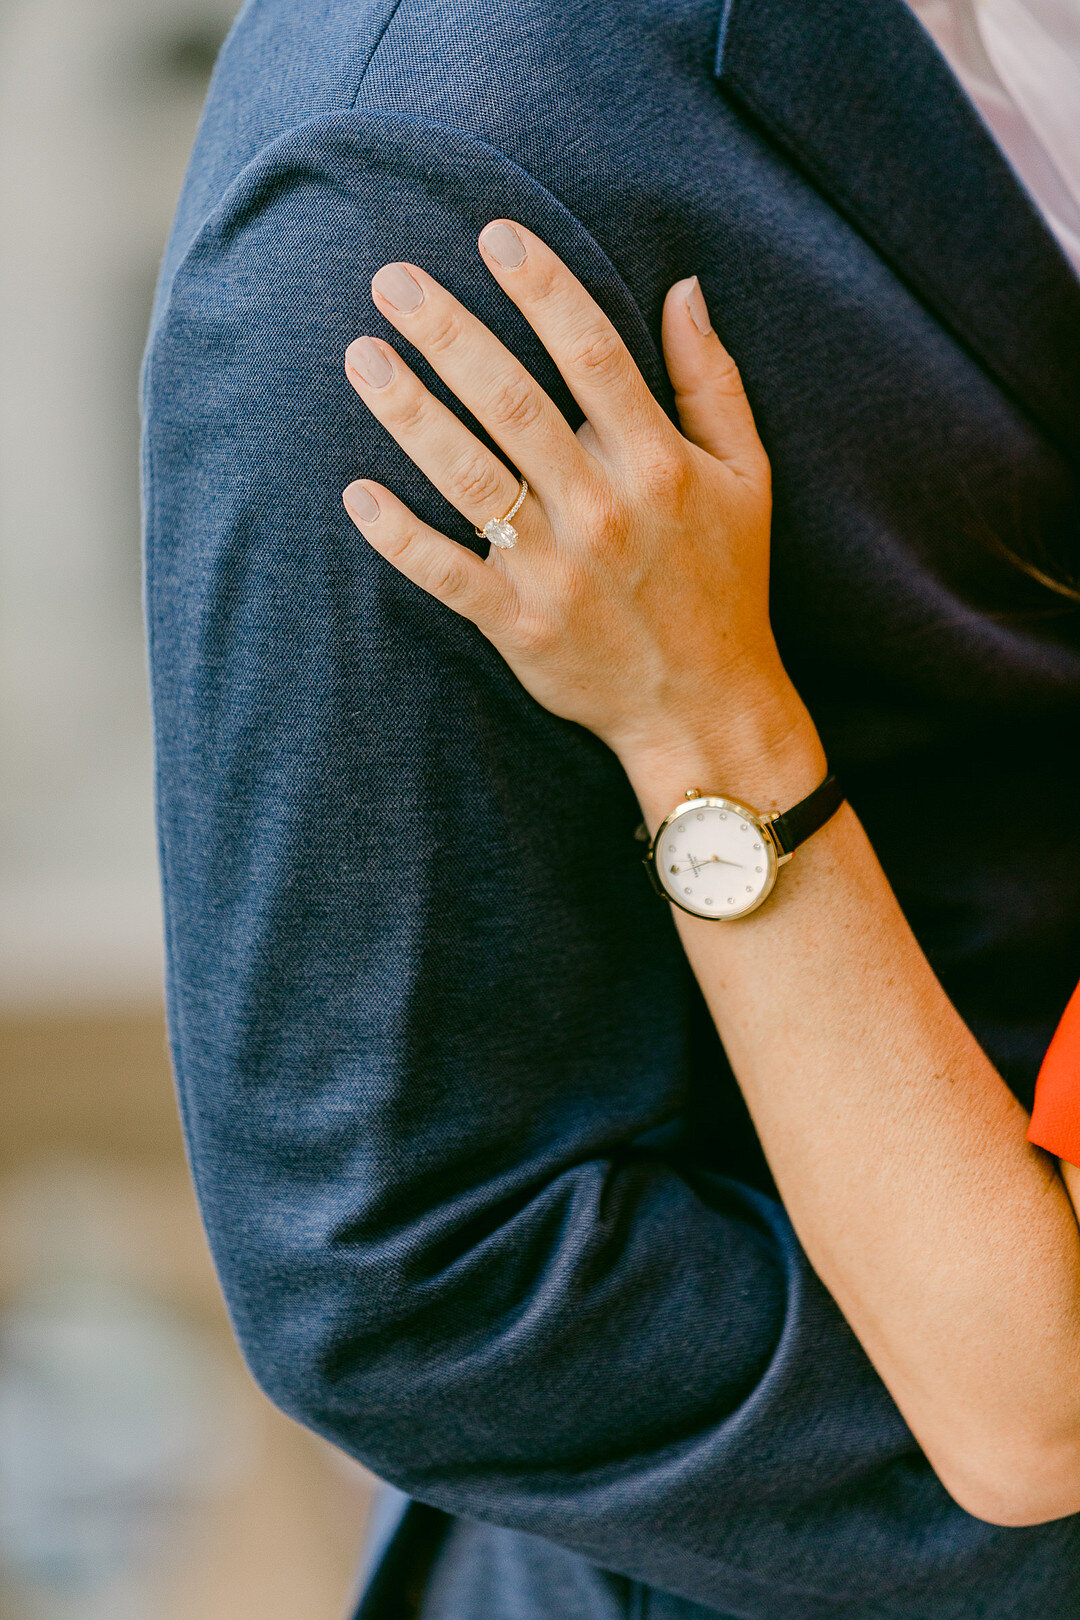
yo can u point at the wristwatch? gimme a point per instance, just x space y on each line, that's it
716 857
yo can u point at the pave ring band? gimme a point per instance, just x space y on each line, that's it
500 531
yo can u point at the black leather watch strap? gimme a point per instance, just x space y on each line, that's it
796 825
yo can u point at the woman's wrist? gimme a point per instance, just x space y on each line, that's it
767 754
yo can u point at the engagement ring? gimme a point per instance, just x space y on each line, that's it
500 531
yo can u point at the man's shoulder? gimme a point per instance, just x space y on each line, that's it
491 65
539 77
316 52
326 44
286 60
572 94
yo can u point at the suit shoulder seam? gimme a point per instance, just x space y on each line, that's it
375 44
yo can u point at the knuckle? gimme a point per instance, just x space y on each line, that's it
396 547
477 481
516 403
448 579
758 466
599 514
408 412
534 633
728 379
502 609
597 353
543 278
442 331
664 472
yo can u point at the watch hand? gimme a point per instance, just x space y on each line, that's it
697 865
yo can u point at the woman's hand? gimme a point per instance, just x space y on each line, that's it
636 602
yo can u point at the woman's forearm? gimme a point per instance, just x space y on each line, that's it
948 1241
1071 1177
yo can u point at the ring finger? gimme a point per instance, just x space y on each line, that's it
463 469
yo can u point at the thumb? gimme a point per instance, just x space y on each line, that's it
713 408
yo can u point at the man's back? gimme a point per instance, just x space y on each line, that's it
485 1199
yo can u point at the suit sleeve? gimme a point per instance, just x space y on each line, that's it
435 1040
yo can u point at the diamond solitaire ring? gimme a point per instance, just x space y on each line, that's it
500 531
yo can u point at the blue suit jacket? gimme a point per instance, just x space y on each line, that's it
486 1204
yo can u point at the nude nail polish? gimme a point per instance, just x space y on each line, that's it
697 308
503 244
361 503
394 283
370 362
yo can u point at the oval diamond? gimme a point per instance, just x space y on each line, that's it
501 533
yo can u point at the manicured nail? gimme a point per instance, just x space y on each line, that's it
394 283
503 244
697 308
368 359
360 503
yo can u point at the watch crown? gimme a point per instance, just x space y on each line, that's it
692 793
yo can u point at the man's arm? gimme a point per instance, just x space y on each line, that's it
431 1029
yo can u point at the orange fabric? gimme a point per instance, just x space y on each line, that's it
1055 1119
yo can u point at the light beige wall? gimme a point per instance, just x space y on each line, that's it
98 104
114 1348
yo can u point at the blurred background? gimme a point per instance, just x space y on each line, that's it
142 1475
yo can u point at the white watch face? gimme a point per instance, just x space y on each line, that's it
714 858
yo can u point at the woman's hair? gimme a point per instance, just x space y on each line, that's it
1044 564
1033 536
1068 588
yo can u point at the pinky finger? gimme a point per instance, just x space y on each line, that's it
451 573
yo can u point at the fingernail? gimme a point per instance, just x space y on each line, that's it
361 503
394 283
504 245
369 360
697 308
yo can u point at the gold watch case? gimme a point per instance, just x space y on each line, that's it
774 856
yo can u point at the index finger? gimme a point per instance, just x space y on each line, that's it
595 363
